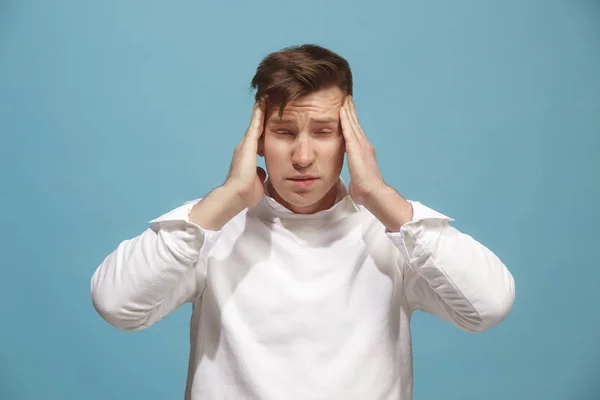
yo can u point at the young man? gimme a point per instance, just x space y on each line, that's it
302 288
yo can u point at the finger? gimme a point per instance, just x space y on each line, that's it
352 109
257 121
347 129
354 118
350 130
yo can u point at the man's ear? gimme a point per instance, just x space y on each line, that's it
261 146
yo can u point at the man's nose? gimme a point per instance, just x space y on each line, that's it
303 154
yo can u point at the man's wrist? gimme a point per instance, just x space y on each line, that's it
216 209
387 205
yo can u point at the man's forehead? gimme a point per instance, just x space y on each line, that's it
318 106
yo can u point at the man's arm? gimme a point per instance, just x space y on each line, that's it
148 276
447 273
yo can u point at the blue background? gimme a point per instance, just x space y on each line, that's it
114 112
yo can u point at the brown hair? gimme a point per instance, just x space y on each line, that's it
298 70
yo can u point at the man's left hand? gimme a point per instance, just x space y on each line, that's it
367 186
365 178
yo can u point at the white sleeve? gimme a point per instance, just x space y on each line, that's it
449 274
148 276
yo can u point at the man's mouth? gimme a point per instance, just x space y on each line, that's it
303 180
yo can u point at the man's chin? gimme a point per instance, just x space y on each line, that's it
302 199
297 202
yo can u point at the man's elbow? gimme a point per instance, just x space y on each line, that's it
116 313
495 308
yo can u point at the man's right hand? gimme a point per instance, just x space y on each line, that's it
245 178
244 185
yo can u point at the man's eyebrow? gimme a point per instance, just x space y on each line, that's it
282 121
326 121
314 121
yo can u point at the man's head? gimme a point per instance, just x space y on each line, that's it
304 88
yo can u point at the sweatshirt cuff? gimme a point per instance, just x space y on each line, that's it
193 240
181 213
408 240
422 212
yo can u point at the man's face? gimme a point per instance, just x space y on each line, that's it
304 151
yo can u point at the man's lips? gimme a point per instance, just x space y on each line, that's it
303 181
302 177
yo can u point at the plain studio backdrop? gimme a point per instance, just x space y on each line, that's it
114 112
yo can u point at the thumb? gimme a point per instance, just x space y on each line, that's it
261 174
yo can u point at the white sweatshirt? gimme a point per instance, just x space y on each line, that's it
302 307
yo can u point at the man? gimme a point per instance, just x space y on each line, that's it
302 288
